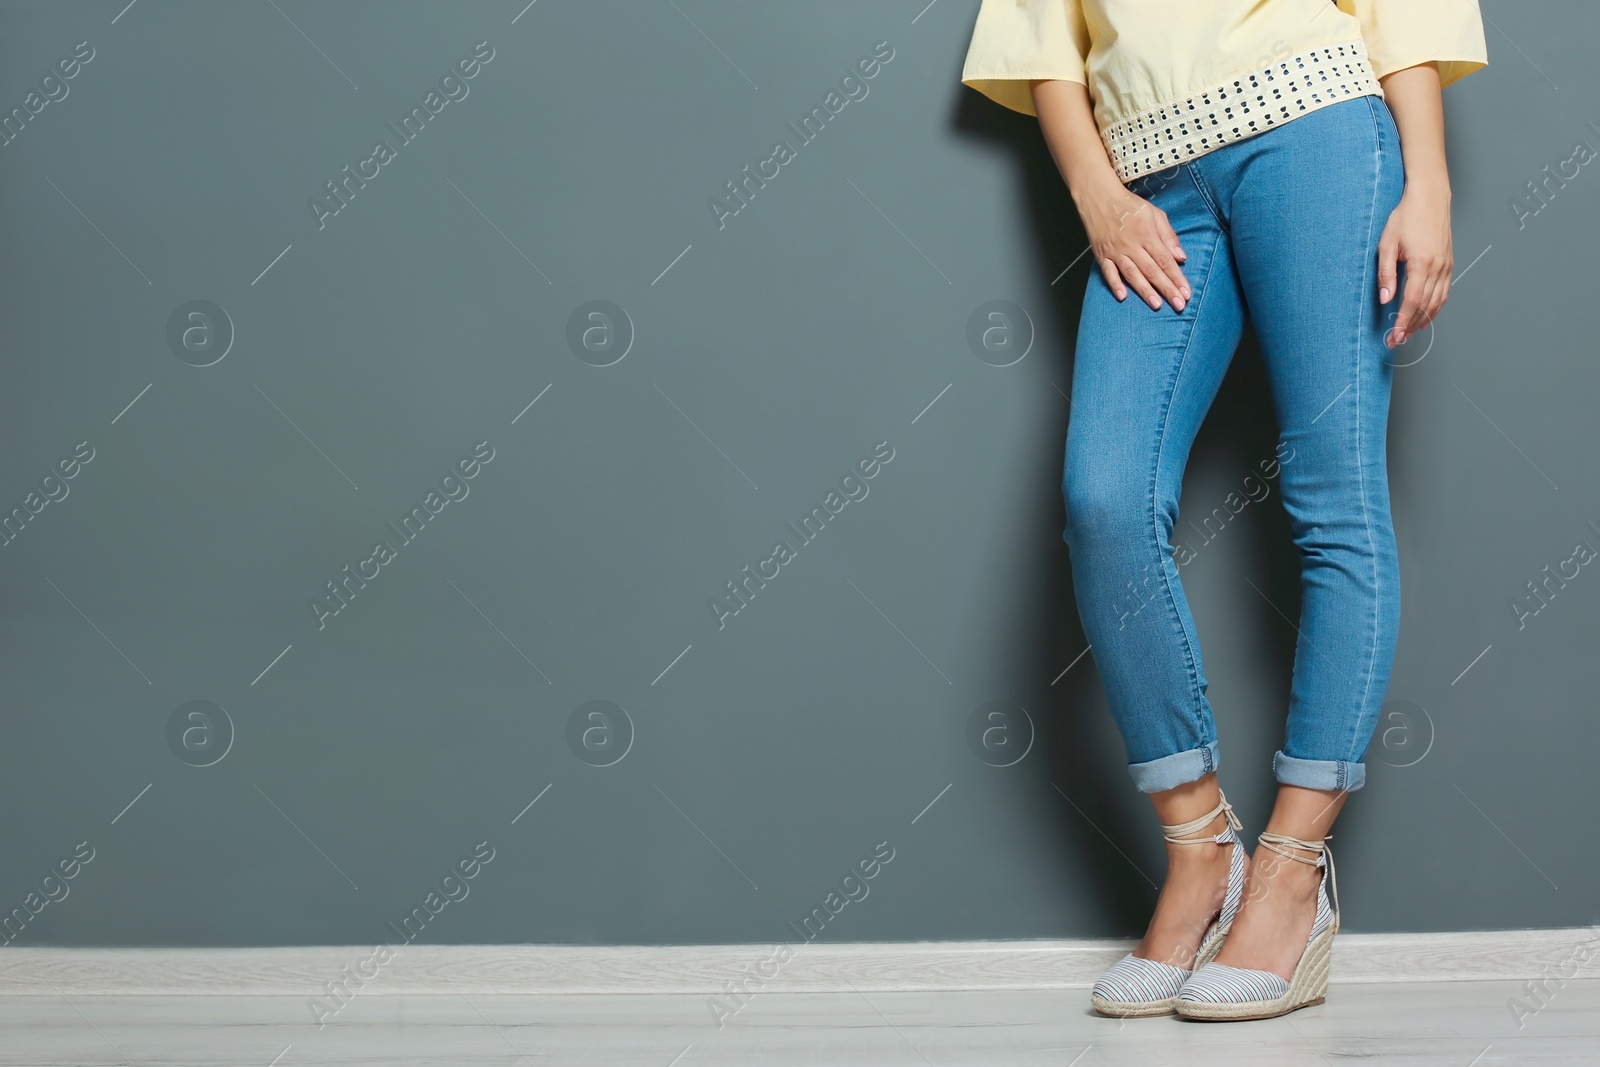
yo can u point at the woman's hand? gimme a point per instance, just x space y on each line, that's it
1134 244
1132 240
1418 234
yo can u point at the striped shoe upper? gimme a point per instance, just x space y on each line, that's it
1324 910
1236 890
1218 983
1230 902
1132 980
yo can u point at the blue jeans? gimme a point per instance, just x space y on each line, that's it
1284 225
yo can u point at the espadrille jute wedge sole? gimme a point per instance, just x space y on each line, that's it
1136 988
1218 992
1133 1009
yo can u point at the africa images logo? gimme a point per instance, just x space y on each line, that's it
453 85
852 487
852 87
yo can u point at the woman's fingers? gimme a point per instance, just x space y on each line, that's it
1427 305
1137 250
1440 292
1426 290
1170 236
1388 267
1167 255
1442 295
1113 277
1163 272
1173 271
1410 309
1413 317
1137 281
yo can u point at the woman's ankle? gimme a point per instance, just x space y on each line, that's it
1188 801
1192 898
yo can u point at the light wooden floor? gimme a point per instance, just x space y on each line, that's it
1456 1024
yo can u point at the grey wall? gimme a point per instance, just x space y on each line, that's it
350 764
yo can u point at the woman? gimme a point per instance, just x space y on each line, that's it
1285 157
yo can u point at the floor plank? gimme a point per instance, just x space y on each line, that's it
1454 1024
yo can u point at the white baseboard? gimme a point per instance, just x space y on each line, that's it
925 966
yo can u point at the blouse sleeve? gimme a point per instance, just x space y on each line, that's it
1404 33
1016 42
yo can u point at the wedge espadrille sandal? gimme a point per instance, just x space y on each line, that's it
1217 991
1135 987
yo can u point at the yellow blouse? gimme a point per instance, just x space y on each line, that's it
1174 79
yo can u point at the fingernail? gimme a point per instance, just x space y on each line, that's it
1383 296
1178 306
1186 293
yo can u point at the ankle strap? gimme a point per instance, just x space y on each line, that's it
1178 833
1276 842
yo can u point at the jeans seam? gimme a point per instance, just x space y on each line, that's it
1155 476
1361 473
1205 195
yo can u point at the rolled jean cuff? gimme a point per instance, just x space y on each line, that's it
1333 775
1169 772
